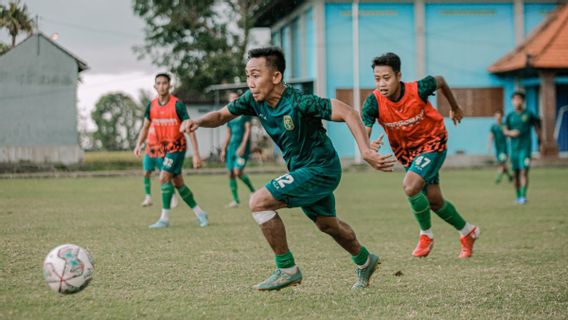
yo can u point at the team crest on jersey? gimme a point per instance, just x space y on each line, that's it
525 118
288 123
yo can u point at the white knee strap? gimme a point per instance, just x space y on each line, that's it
263 216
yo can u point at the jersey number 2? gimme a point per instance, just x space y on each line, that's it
284 180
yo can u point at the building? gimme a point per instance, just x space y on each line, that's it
332 43
539 63
38 103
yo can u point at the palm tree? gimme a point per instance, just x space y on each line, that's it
15 18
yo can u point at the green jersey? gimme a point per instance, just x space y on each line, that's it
499 138
522 121
237 128
295 125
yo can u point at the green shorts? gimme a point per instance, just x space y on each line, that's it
427 165
520 160
501 156
233 161
151 164
173 162
310 188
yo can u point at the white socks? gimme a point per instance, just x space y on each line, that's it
428 232
290 270
165 215
466 229
366 264
198 211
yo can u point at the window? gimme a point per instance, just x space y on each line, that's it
475 102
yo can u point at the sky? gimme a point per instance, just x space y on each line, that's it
102 33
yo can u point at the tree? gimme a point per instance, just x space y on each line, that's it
201 41
4 48
118 119
16 19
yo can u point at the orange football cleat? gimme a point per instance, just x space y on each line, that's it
467 243
423 247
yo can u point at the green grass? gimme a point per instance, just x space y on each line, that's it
518 271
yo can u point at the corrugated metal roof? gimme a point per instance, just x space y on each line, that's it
81 64
545 48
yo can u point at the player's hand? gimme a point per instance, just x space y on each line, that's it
240 152
456 115
188 126
377 143
379 162
514 133
137 151
196 162
223 155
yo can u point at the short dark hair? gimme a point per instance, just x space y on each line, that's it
165 75
273 55
519 94
499 111
387 59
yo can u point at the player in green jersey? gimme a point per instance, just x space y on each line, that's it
499 141
236 151
518 126
294 121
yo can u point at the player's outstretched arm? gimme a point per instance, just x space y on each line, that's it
212 119
142 137
341 112
456 113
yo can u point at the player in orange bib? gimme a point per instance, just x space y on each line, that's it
169 118
418 137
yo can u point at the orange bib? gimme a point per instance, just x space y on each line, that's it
166 125
412 125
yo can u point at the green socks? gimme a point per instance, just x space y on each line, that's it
167 193
421 209
244 178
449 213
361 258
234 189
285 260
147 189
523 192
187 196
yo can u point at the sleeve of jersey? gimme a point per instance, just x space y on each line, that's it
181 111
315 107
370 111
427 87
244 105
147 112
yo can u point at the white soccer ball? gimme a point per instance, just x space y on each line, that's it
68 268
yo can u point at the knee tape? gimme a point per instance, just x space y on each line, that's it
263 216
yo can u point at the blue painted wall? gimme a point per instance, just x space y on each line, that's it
287 47
535 13
310 45
296 70
339 67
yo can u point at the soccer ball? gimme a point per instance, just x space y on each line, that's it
68 268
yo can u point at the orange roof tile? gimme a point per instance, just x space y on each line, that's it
545 48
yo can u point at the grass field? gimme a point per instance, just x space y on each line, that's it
519 269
